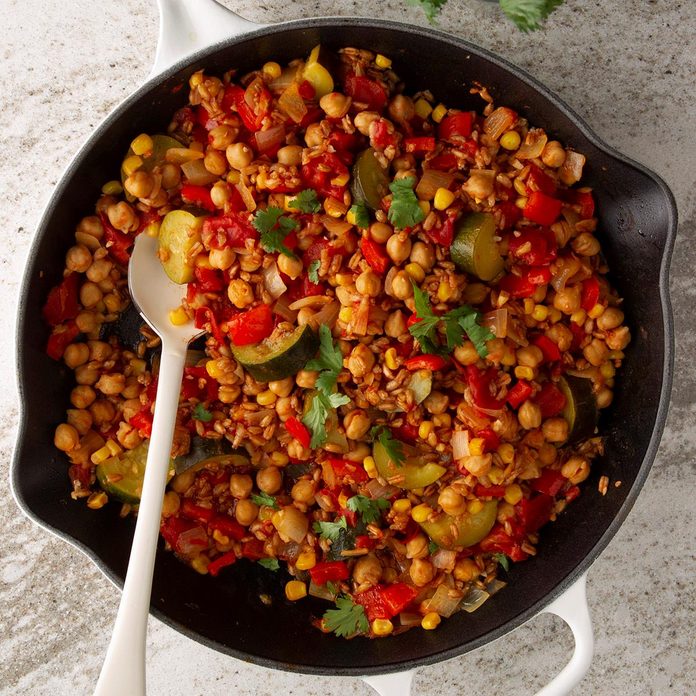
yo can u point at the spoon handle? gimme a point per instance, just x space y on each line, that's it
123 671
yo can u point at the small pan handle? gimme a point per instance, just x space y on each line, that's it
187 26
572 607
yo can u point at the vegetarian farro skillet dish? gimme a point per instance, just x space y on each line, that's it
409 334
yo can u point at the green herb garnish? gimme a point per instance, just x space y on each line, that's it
348 618
330 530
306 202
369 509
503 560
274 227
404 210
265 499
432 547
313 271
269 564
201 413
361 215
393 448
315 419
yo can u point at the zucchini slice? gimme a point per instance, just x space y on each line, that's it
278 358
178 233
470 528
205 451
370 181
581 407
413 473
474 248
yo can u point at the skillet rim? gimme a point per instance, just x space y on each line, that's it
668 329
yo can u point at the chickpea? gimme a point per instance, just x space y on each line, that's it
480 184
368 283
314 135
421 572
367 570
529 415
78 259
423 255
466 354
221 137
171 175
619 338
567 300
303 491
417 546
76 354
306 379
99 270
130 407
335 104
561 335
395 325
183 481
610 319
451 502
547 454
290 265
99 350
139 184
215 162
220 194
240 293
405 162
529 356
402 288
290 155
585 244
111 384
475 293
576 469
112 301
90 294
356 423
604 397
221 258
269 480
363 120
436 403
596 352
466 570
401 108
132 388
170 504
361 360
85 374
90 226
282 387
297 451
380 232
555 429
66 437
128 436
241 485
102 411
80 419
122 217
399 247
553 154
82 396
245 511
239 155
304 316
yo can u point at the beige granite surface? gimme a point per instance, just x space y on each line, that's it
629 68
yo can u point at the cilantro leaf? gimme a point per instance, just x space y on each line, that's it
330 530
269 563
315 419
432 547
477 334
265 499
348 618
274 227
332 587
202 414
313 270
393 448
503 560
306 202
361 215
369 509
431 8
404 210
528 15
425 330
330 356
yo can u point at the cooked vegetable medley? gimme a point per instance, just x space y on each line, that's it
409 334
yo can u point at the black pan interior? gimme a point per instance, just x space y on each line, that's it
637 221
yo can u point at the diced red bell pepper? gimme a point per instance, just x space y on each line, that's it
228 526
511 213
406 433
59 340
228 230
480 384
419 145
343 142
541 180
298 430
490 438
80 476
303 287
542 209
383 134
142 421
584 200
444 234
363 541
320 171
589 295
426 362
579 336
117 243
456 126
533 247
173 527
572 493
548 348
227 559
197 195
251 326
489 491
534 512
253 549
204 316
525 284
375 254
551 482
209 279
329 571
386 601
345 469
241 100
191 511
373 603
306 90
499 541
62 302
444 163
550 399
519 393
191 384
365 91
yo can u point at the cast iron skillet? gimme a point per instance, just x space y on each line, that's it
637 227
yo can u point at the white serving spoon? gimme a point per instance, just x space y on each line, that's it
123 672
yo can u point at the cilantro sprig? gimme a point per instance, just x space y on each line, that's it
458 323
347 618
330 530
369 509
393 448
269 564
503 560
404 210
361 215
201 413
306 202
313 270
274 227
265 499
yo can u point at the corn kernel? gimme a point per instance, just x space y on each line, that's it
233 177
382 61
272 69
509 358
524 372
346 314
178 316
343 500
97 500
607 370
496 475
555 315
280 458
402 505
596 311
266 398
540 312
520 186
439 113
113 447
370 467
444 292
112 188
528 305
344 279
350 218
513 494
424 430
424 206
510 140
101 455
306 560
476 446
382 627
390 358
213 369
203 261
443 198
521 202
431 620
578 317
220 537
421 512
423 108
415 271
200 564
142 145
295 589
131 164
138 366
341 179
474 507
507 453
442 420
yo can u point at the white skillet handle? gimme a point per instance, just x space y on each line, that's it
572 607
187 26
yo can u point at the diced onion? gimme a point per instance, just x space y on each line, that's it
407 618
533 144
196 173
499 121
291 102
328 474
474 599
559 281
291 524
247 196
444 559
421 385
380 490
431 181
497 322
327 315
310 301
321 591
335 226
192 541
445 601
460 444
571 170
494 586
361 317
281 308
286 78
273 282
267 139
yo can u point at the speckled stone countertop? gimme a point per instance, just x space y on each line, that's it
628 68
